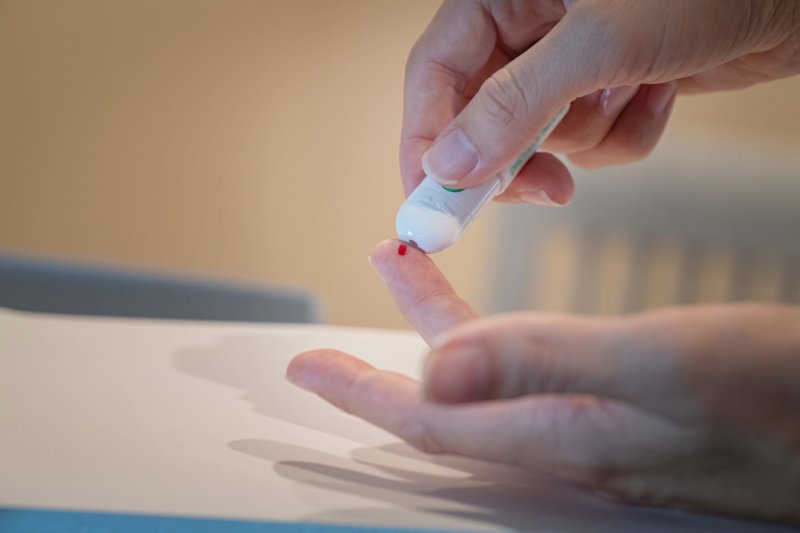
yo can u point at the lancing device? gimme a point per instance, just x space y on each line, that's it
433 217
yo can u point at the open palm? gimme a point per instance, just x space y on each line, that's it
660 408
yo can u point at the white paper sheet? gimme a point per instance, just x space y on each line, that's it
193 418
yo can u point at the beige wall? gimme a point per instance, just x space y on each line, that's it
252 140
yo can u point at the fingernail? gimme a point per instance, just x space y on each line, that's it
451 158
613 100
538 197
659 96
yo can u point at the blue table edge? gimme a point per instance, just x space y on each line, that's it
37 520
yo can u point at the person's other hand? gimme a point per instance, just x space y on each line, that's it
485 77
693 407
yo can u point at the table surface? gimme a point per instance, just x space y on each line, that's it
195 419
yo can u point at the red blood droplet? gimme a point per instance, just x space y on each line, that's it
402 249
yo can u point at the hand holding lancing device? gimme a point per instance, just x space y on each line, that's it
486 76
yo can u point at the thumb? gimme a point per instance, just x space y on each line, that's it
508 356
517 101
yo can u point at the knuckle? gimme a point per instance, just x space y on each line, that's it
504 98
545 370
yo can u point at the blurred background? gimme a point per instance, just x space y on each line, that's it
256 141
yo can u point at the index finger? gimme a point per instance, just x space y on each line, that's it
450 53
422 293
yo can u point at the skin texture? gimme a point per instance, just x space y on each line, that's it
693 408
491 73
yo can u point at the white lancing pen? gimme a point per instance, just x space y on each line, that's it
433 217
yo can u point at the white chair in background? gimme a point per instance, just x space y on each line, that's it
690 224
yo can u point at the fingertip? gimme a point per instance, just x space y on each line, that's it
392 256
383 251
422 293
300 369
324 370
299 362
384 257
660 97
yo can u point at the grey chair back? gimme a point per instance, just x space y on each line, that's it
32 284
690 224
